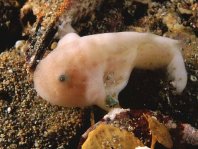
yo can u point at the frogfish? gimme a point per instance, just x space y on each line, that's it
93 69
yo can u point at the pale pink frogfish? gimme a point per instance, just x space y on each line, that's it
91 70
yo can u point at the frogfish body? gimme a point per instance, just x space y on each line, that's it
92 70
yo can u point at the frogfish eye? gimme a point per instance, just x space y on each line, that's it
62 78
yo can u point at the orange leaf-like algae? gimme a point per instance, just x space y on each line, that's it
106 136
159 132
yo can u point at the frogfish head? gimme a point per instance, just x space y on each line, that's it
60 80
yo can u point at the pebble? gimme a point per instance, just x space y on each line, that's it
53 45
2 135
9 110
184 10
10 71
36 144
19 44
193 78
